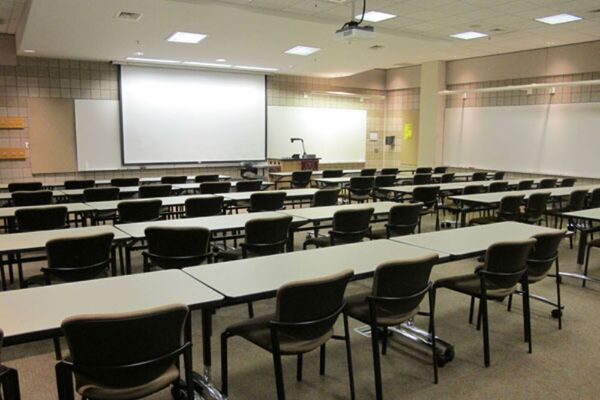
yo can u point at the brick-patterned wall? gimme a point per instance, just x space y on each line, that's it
402 107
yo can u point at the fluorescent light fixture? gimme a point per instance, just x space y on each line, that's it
558 19
220 60
186 37
153 60
469 35
340 93
209 65
252 68
138 53
302 50
29 51
376 16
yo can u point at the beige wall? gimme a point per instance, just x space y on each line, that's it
8 50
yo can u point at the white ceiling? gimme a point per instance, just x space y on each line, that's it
257 32
10 14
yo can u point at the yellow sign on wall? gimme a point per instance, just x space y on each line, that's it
12 122
408 131
12 153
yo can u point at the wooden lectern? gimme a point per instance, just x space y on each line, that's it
294 164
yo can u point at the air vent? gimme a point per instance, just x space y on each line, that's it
376 47
128 16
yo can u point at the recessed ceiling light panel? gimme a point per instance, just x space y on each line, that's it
558 19
375 16
469 35
302 50
186 37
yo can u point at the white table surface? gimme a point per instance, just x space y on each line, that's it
6 212
214 223
79 192
260 275
446 186
491 198
111 205
461 242
8 196
592 214
324 213
25 241
40 310
156 179
195 185
290 194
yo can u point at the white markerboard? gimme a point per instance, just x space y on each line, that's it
560 139
334 134
98 134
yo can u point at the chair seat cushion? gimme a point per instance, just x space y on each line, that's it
379 233
358 308
93 391
470 284
257 331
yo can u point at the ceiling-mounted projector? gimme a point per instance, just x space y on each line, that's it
352 30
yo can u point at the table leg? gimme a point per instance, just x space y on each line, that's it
3 274
583 234
128 258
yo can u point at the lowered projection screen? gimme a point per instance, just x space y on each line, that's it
186 116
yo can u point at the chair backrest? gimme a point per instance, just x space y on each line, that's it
547 183
177 247
41 219
368 171
421 179
79 184
498 175
594 199
215 187
24 186
325 197
404 218
79 258
267 201
479 176
147 342
248 170
536 205
400 286
427 195
301 179
544 253
265 236
101 194
440 170
447 177
506 262
423 170
139 211
525 184
384 180
350 226
577 199
207 178
473 189
248 186
498 186
332 173
173 180
32 198
124 182
389 171
150 191
510 207
568 182
361 184
203 206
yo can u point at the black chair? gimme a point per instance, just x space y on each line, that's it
215 187
131 211
79 184
459 208
509 210
304 318
248 186
267 201
125 182
152 191
423 170
349 226
126 356
402 220
382 181
207 178
504 268
325 197
440 170
576 202
360 188
300 179
101 194
398 289
24 186
389 171
498 175
498 186
176 247
9 379
525 184
41 219
535 208
422 179
332 173
479 176
547 183
368 171
174 180
594 200
31 198
568 182
249 170
447 177
204 206
428 196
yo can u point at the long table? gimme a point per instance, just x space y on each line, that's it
591 214
317 214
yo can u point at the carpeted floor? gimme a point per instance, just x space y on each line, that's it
562 366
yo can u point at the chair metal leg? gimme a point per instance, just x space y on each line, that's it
57 350
471 307
432 333
376 362
250 310
224 373
10 385
64 382
559 311
278 375
509 307
322 356
189 373
486 334
479 315
527 312
587 263
299 368
349 357
384 340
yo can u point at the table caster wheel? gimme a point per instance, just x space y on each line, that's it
556 313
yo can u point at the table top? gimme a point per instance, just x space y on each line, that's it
261 275
8 196
290 194
590 214
27 241
462 242
79 192
166 201
6 212
446 186
196 185
214 223
324 213
156 179
492 198
37 313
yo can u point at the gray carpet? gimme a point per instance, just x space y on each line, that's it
562 365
